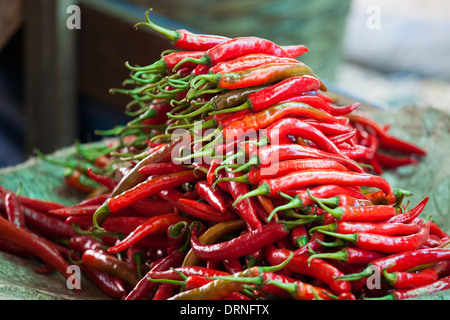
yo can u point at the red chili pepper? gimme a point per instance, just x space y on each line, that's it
263 119
184 39
166 64
36 204
40 247
81 243
410 215
108 284
203 211
350 255
358 213
295 51
298 290
330 129
314 243
317 268
299 236
316 177
379 197
392 162
407 280
147 188
13 212
239 246
279 131
154 225
262 75
381 228
238 47
161 168
249 61
271 154
402 261
278 92
214 197
144 287
385 244
111 265
246 208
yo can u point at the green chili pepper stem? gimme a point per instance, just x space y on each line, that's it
336 213
158 66
293 223
290 288
399 192
200 110
253 161
294 203
244 106
389 296
329 227
301 241
100 215
341 255
177 229
391 278
263 189
171 281
352 237
173 36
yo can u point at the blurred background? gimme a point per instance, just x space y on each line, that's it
57 63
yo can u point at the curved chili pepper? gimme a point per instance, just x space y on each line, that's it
381 228
182 38
278 92
350 255
212 235
385 244
238 47
330 129
239 246
213 290
316 177
402 261
393 162
410 215
317 268
13 212
214 197
405 280
147 188
264 74
154 225
111 265
279 130
435 286
40 247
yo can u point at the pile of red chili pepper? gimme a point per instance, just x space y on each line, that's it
238 178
